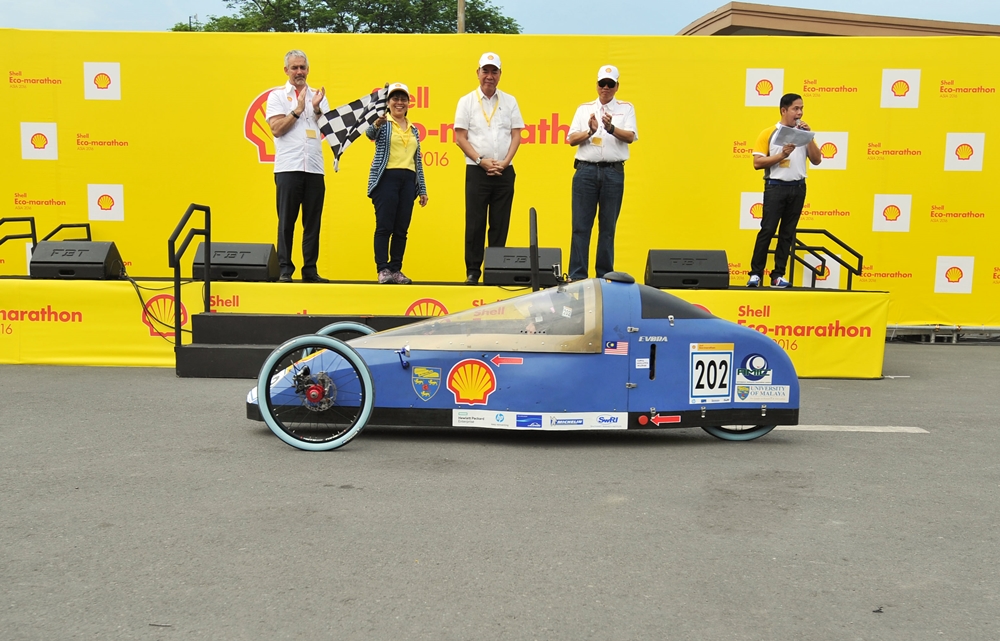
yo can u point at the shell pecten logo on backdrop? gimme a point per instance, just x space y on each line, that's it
158 315
757 210
102 81
900 88
256 129
964 151
105 202
764 87
471 381
891 213
953 274
426 307
828 150
39 141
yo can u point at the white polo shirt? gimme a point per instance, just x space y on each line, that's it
301 148
602 146
488 121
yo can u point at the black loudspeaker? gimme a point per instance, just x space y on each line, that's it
512 266
687 269
76 259
238 261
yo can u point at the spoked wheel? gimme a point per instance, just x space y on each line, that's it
315 393
346 330
738 432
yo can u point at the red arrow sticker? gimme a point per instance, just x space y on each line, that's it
499 360
659 420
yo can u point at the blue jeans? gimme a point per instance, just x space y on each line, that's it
595 186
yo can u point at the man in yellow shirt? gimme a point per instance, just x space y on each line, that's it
784 190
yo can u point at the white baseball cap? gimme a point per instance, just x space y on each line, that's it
489 58
398 86
607 71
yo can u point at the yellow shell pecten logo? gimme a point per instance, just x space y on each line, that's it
105 202
256 129
757 210
900 88
953 275
828 150
102 81
39 141
426 307
891 213
764 87
964 151
607 70
824 273
471 381
158 315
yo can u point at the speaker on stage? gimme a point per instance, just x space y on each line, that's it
76 259
512 266
238 261
687 269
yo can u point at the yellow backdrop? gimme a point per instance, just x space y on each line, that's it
126 129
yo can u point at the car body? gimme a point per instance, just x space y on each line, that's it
597 354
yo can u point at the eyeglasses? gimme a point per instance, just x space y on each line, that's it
398 97
606 83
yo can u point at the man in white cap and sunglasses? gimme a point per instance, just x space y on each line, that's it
488 126
602 131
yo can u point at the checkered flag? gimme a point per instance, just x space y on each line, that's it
344 125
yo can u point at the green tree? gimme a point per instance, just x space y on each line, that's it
357 16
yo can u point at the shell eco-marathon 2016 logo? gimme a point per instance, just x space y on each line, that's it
471 381
964 152
764 87
900 88
751 209
158 315
102 81
892 212
39 141
833 150
106 202
953 274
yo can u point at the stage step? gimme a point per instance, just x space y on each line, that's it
236 345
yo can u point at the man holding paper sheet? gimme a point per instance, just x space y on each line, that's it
781 151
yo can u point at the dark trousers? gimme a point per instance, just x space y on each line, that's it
393 199
297 189
487 199
594 187
782 208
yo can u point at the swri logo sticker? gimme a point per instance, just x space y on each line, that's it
753 370
529 420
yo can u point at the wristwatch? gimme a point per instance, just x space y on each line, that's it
295 115
479 160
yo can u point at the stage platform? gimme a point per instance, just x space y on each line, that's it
828 334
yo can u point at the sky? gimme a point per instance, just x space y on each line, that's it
625 17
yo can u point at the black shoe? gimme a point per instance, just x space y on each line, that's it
285 278
315 279
472 279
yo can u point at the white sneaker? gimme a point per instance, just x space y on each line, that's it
754 281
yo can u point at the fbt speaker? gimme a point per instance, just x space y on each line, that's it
512 266
238 261
76 259
687 269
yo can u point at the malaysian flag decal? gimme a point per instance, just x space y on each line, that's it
616 347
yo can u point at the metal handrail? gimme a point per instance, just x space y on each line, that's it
70 226
174 259
798 245
31 235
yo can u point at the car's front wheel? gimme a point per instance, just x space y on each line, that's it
738 432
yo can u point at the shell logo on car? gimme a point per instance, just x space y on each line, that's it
471 381
953 275
158 315
964 151
764 87
828 150
757 210
900 88
891 213
102 81
105 202
39 141
426 307
256 129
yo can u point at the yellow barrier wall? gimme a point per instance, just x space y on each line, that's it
126 129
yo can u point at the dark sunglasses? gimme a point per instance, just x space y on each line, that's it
606 83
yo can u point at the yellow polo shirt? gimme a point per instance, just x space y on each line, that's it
402 148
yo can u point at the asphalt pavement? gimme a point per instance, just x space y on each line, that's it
136 505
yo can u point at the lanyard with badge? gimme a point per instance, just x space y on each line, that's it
598 140
311 132
489 118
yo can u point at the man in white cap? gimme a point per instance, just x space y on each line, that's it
488 128
602 131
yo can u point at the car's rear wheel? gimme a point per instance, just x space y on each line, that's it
346 330
323 393
738 432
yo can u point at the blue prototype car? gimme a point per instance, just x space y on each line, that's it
598 354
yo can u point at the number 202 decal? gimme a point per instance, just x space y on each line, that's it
710 374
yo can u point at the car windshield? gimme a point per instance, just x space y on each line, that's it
559 319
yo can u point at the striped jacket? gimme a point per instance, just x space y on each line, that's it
381 136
